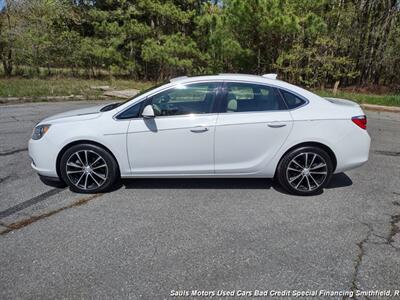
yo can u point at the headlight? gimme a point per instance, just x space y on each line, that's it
39 131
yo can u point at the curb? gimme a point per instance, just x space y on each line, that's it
40 98
381 108
49 99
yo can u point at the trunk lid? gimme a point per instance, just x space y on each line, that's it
346 108
343 102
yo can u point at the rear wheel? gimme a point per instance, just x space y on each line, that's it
305 171
88 168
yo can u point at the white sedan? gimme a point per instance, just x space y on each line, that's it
227 125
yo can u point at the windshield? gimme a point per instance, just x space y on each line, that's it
116 104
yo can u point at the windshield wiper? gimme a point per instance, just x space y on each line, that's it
110 106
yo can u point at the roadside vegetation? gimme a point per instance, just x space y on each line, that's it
56 86
36 88
62 47
364 98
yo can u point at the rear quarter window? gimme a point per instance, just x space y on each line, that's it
292 101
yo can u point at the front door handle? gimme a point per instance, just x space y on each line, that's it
199 129
276 124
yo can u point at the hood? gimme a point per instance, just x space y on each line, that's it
81 114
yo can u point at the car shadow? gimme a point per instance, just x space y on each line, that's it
337 181
197 183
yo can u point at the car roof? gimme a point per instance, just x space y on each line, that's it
264 79
227 76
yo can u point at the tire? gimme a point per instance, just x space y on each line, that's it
88 169
305 171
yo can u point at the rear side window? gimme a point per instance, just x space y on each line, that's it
292 101
245 97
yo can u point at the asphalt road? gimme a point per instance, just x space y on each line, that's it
152 236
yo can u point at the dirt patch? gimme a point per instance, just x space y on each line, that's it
32 219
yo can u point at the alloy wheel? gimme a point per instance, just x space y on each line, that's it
307 171
87 169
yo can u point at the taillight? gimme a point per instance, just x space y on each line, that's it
360 121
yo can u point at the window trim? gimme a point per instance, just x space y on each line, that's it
219 97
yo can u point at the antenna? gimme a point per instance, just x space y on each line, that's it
177 78
270 76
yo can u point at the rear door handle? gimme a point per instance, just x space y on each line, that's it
199 129
276 124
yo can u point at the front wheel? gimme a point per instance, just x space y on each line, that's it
305 170
88 168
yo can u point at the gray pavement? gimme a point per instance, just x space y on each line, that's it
152 236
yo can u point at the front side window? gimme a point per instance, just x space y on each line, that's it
185 99
245 97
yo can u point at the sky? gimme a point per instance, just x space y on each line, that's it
2 4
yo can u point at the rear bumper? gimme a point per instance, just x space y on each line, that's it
353 150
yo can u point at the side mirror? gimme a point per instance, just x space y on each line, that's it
148 112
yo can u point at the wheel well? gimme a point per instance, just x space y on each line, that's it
315 144
65 148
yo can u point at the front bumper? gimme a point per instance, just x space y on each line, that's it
43 156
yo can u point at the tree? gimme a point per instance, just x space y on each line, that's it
222 51
9 31
313 43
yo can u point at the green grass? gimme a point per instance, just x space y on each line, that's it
388 100
22 87
66 86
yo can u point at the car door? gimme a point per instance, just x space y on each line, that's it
180 138
252 125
